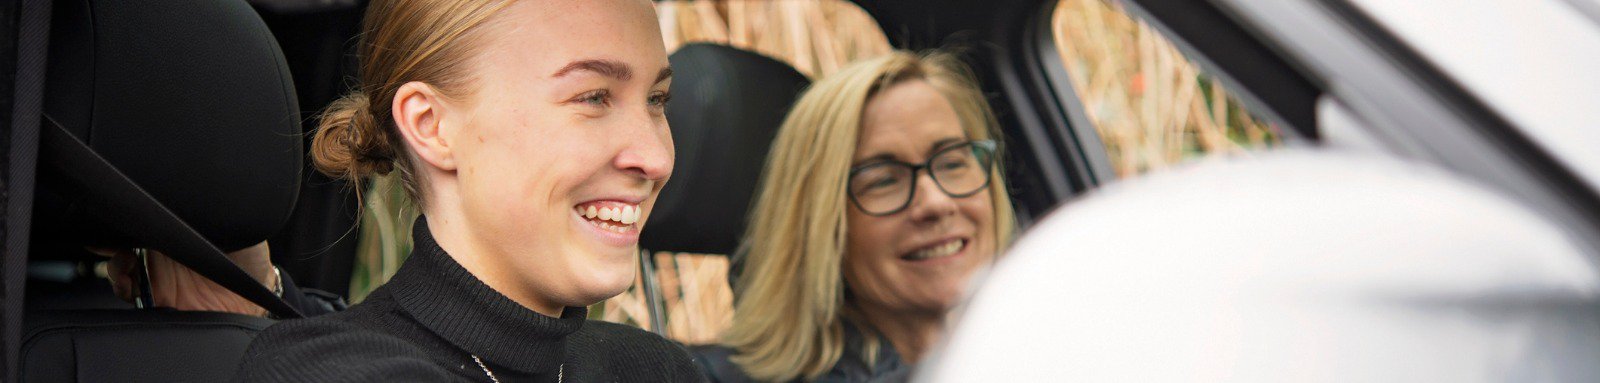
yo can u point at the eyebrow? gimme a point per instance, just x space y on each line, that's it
665 74
881 157
609 68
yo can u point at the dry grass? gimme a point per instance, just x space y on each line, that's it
694 291
816 37
1150 104
385 235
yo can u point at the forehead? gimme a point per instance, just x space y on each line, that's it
906 119
545 35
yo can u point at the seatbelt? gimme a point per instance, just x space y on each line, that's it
27 104
109 193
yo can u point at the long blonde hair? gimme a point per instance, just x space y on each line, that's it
790 312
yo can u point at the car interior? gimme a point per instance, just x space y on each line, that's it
191 104
218 135
729 105
183 125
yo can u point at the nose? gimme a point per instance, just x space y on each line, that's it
930 204
647 150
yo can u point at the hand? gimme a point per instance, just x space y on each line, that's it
175 286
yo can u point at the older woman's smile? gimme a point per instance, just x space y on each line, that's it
938 250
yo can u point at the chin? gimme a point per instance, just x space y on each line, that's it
947 299
604 280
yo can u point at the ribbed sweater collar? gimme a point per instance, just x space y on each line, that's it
433 288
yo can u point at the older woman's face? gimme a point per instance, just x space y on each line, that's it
916 260
566 146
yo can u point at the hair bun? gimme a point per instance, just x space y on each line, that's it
349 142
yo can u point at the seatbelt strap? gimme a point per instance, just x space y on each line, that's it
111 194
22 149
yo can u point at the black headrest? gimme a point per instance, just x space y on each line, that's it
191 99
727 105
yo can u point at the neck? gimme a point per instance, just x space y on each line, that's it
455 236
910 333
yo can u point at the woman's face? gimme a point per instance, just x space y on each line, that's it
565 147
916 260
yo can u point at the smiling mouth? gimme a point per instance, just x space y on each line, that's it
611 216
937 250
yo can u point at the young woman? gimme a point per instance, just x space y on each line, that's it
531 135
881 197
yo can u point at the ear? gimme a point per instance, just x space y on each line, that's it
418 113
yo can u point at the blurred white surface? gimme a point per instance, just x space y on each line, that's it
1292 266
1532 61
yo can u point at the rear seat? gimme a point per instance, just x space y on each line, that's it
727 106
192 101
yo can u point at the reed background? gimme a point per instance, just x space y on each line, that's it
1152 107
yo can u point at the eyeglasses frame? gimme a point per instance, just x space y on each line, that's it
916 169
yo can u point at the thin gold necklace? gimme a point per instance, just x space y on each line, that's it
561 371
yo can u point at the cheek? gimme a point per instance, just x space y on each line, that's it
513 167
868 237
979 209
869 254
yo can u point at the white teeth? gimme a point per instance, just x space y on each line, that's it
620 218
946 249
615 228
627 215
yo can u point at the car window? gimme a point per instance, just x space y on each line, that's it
1152 106
816 37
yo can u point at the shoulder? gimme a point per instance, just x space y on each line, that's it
331 348
642 353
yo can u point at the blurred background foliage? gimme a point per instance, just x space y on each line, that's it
1152 107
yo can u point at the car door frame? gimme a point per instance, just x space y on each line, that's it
1413 107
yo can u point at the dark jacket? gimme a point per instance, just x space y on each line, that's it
435 322
851 368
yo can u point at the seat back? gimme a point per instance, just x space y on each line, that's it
192 102
135 345
728 104
726 108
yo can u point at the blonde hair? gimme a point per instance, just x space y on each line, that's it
429 41
789 317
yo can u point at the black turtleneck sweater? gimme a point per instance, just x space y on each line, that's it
429 321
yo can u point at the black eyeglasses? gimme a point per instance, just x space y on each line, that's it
887 187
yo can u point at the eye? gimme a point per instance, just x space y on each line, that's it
596 98
952 164
876 178
659 100
882 182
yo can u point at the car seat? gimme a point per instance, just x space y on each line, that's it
727 106
169 125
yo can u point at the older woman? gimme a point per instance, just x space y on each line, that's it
534 167
881 197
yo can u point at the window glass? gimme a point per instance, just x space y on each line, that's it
1151 105
816 37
